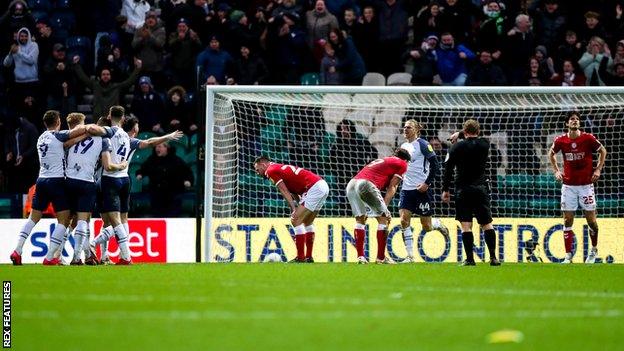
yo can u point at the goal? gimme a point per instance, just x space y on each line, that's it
334 131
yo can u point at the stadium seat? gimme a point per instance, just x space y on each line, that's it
276 114
310 79
545 203
522 181
63 22
145 135
190 157
181 143
39 5
374 79
140 155
188 204
546 182
337 112
80 46
193 141
400 79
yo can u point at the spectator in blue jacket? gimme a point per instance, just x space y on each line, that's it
214 62
451 61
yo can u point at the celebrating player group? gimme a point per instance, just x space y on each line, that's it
416 165
82 169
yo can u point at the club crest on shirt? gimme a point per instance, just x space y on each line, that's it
574 145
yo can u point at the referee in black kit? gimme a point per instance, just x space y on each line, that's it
470 157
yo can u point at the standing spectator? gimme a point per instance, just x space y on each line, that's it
429 21
571 49
241 32
304 137
249 68
619 52
184 45
329 75
287 6
366 39
172 11
17 16
148 106
120 36
23 57
105 91
148 44
348 154
177 112
568 76
592 28
350 63
550 23
214 62
287 45
203 13
456 18
169 178
319 23
520 47
491 33
58 79
349 22
485 72
451 61
611 79
44 39
547 66
135 11
424 61
392 34
21 155
590 61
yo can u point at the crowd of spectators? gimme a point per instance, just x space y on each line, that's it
152 55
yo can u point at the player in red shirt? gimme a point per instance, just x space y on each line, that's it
578 177
364 191
297 183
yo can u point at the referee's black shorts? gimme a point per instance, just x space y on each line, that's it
473 201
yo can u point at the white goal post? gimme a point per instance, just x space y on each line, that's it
304 125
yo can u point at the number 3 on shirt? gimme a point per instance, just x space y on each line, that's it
122 152
295 170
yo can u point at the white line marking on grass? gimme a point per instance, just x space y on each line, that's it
115 315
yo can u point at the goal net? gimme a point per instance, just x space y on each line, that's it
334 131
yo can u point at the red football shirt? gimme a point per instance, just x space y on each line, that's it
297 180
380 172
578 164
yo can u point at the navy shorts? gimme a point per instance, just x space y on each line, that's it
81 194
115 194
416 202
50 190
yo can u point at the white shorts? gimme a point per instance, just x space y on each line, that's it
573 195
315 197
364 195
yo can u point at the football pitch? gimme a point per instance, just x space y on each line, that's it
316 307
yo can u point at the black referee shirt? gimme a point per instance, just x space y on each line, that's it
470 157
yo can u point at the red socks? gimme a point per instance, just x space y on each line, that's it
382 236
568 239
309 242
359 241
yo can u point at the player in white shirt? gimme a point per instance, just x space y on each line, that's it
82 161
131 126
416 196
50 186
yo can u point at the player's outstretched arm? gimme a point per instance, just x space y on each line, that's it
287 196
109 165
73 141
151 142
553 163
602 156
77 131
95 130
392 188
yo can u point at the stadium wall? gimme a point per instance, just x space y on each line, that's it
168 240
251 239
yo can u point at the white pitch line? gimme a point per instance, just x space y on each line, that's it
210 315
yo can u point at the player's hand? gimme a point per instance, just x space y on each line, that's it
446 197
175 135
19 160
453 138
124 165
76 59
9 157
423 187
596 175
559 176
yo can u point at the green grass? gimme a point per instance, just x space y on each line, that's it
316 307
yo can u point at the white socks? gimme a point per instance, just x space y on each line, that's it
80 235
24 233
408 238
55 240
122 238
